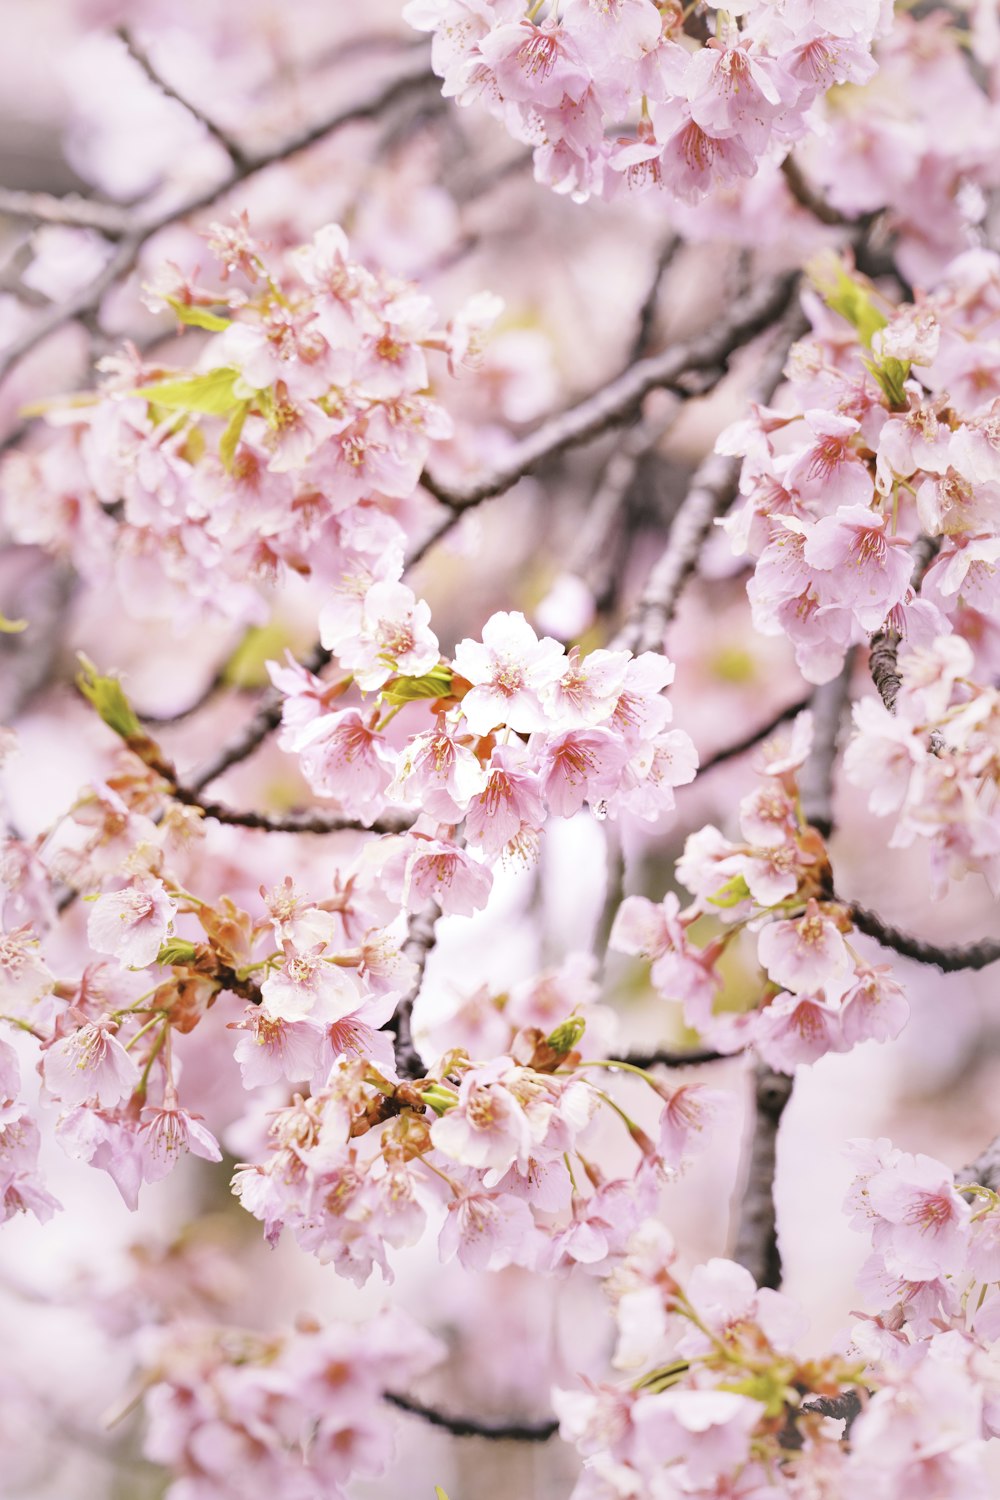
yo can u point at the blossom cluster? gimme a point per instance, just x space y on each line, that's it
816 994
230 1412
286 451
520 730
705 109
501 1157
724 1406
886 440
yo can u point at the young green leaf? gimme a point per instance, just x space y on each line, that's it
198 317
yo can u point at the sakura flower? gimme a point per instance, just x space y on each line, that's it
90 1063
131 923
168 1131
577 766
509 672
393 636
342 757
24 977
307 984
795 1029
874 1007
705 1434
872 569
805 955
438 773
486 1231
487 1128
921 1226
509 812
418 870
689 1115
271 1048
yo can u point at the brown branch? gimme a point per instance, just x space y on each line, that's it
420 939
139 55
646 317
618 400
498 1432
88 299
757 1231
816 779
690 1057
756 736
298 820
884 648
711 493
808 198
955 960
71 212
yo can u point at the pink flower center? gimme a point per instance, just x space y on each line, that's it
508 678
869 547
931 1213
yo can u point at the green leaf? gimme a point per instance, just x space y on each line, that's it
198 317
768 1388
212 393
176 951
247 666
433 684
108 697
890 374
439 1492
732 893
849 297
566 1035
12 627
230 438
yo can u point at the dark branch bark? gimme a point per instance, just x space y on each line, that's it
421 938
498 1432
750 741
664 1058
977 955
139 55
757 1231
884 648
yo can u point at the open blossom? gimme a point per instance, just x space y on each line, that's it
804 955
921 1223
308 984
438 773
509 672
488 1126
169 1131
90 1063
393 635
131 923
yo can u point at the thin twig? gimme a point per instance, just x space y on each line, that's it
756 736
711 492
955 960
757 1231
690 1057
72 212
497 1432
139 55
298 820
808 198
88 299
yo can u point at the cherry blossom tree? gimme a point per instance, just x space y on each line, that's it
501 812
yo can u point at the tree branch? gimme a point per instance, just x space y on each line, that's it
977 955
421 937
816 780
613 403
498 1432
711 493
884 647
757 1231
141 229
756 736
72 212
139 55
